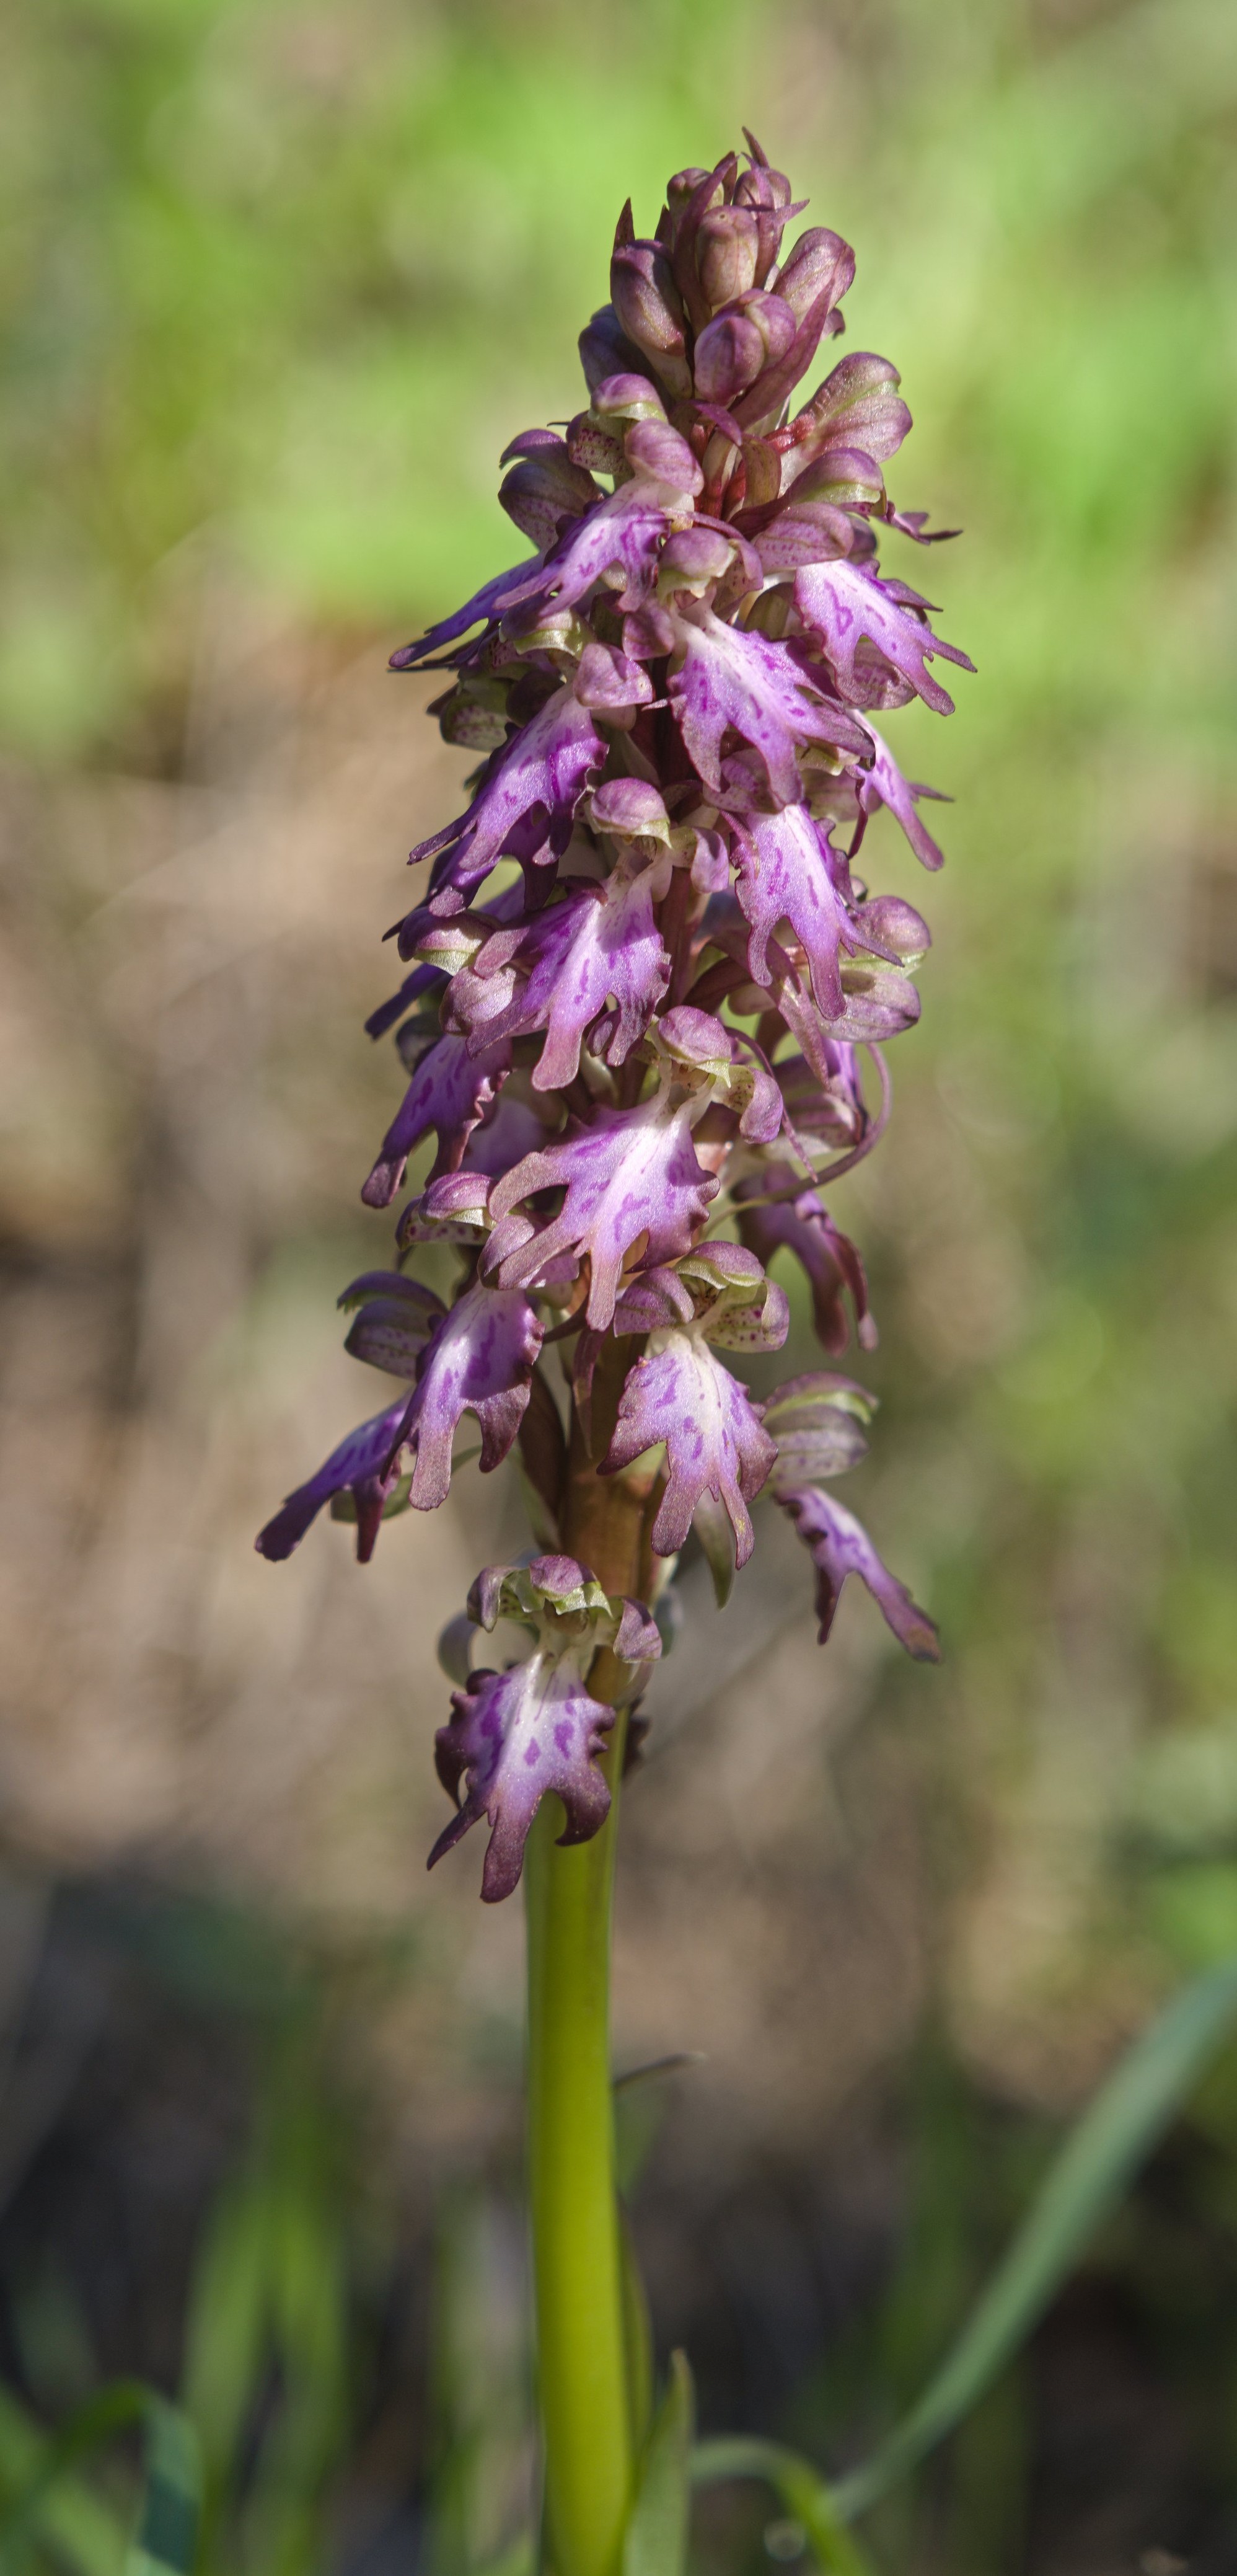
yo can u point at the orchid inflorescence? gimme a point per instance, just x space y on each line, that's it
641 1058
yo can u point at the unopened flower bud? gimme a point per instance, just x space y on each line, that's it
736 347
646 300
609 683
630 808
627 397
820 259
730 353
895 926
774 319
541 491
604 347
694 558
763 187
727 248
653 447
679 193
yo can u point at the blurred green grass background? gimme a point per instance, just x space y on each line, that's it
278 284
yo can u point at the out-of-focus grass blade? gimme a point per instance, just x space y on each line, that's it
801 2489
1120 2127
75 2525
166 2537
637 2337
1100 2157
656 2543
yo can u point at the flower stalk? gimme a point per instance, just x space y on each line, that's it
582 2368
647 985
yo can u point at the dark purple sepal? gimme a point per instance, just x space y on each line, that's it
839 1546
510 1129
831 1261
448 1093
365 1464
482 605
423 979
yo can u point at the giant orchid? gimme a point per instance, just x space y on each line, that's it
643 1025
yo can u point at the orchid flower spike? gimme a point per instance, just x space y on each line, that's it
648 997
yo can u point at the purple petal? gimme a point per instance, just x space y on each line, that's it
786 871
844 604
479 1360
884 784
509 1130
423 979
805 1227
512 1737
364 1461
449 1092
482 604
839 1545
533 790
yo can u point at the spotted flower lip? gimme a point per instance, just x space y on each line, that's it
557 970
628 1177
679 1394
844 603
516 1735
787 871
734 680
648 994
717 1454
478 1359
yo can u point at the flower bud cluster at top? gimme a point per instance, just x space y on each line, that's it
641 1058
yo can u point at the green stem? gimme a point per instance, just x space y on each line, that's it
582 2376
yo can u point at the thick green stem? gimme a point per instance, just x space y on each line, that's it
582 2375
577 2256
